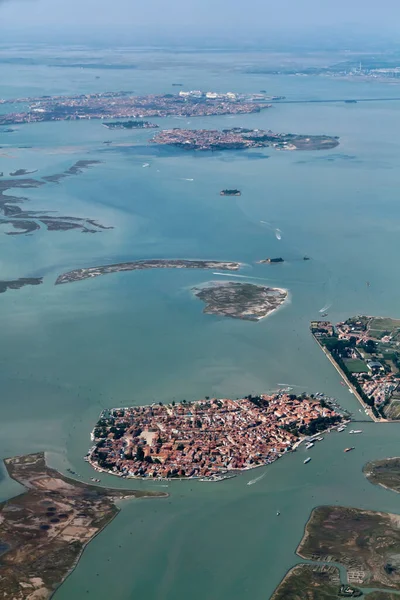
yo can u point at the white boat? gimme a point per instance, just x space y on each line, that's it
309 445
355 431
340 428
307 460
319 439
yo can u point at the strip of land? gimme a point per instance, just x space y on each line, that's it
365 352
208 439
138 265
44 530
240 300
130 125
239 138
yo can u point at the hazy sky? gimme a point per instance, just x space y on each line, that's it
228 15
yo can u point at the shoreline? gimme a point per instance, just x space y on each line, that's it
350 385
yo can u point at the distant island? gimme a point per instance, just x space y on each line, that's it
238 138
20 172
125 105
44 530
240 300
364 350
233 192
130 125
153 263
16 284
271 260
210 439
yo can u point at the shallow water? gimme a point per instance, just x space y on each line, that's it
68 351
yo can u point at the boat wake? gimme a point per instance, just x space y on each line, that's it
325 308
253 481
278 234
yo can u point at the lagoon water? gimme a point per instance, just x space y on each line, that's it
68 351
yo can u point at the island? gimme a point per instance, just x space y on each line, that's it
27 221
44 530
238 138
130 125
125 105
233 192
365 352
385 472
16 284
240 300
209 439
138 265
271 260
20 172
365 542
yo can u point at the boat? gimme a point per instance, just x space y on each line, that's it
307 460
340 428
319 439
309 445
324 314
355 431
278 513
349 449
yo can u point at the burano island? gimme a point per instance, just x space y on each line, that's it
366 352
210 439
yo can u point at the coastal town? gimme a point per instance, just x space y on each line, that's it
209 439
366 352
125 105
239 138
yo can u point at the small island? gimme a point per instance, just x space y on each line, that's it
364 350
270 261
137 265
130 125
210 439
240 300
44 530
233 192
238 138
16 284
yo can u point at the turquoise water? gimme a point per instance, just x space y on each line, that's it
68 351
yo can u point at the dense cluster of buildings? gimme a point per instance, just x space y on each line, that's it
204 438
214 139
120 105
